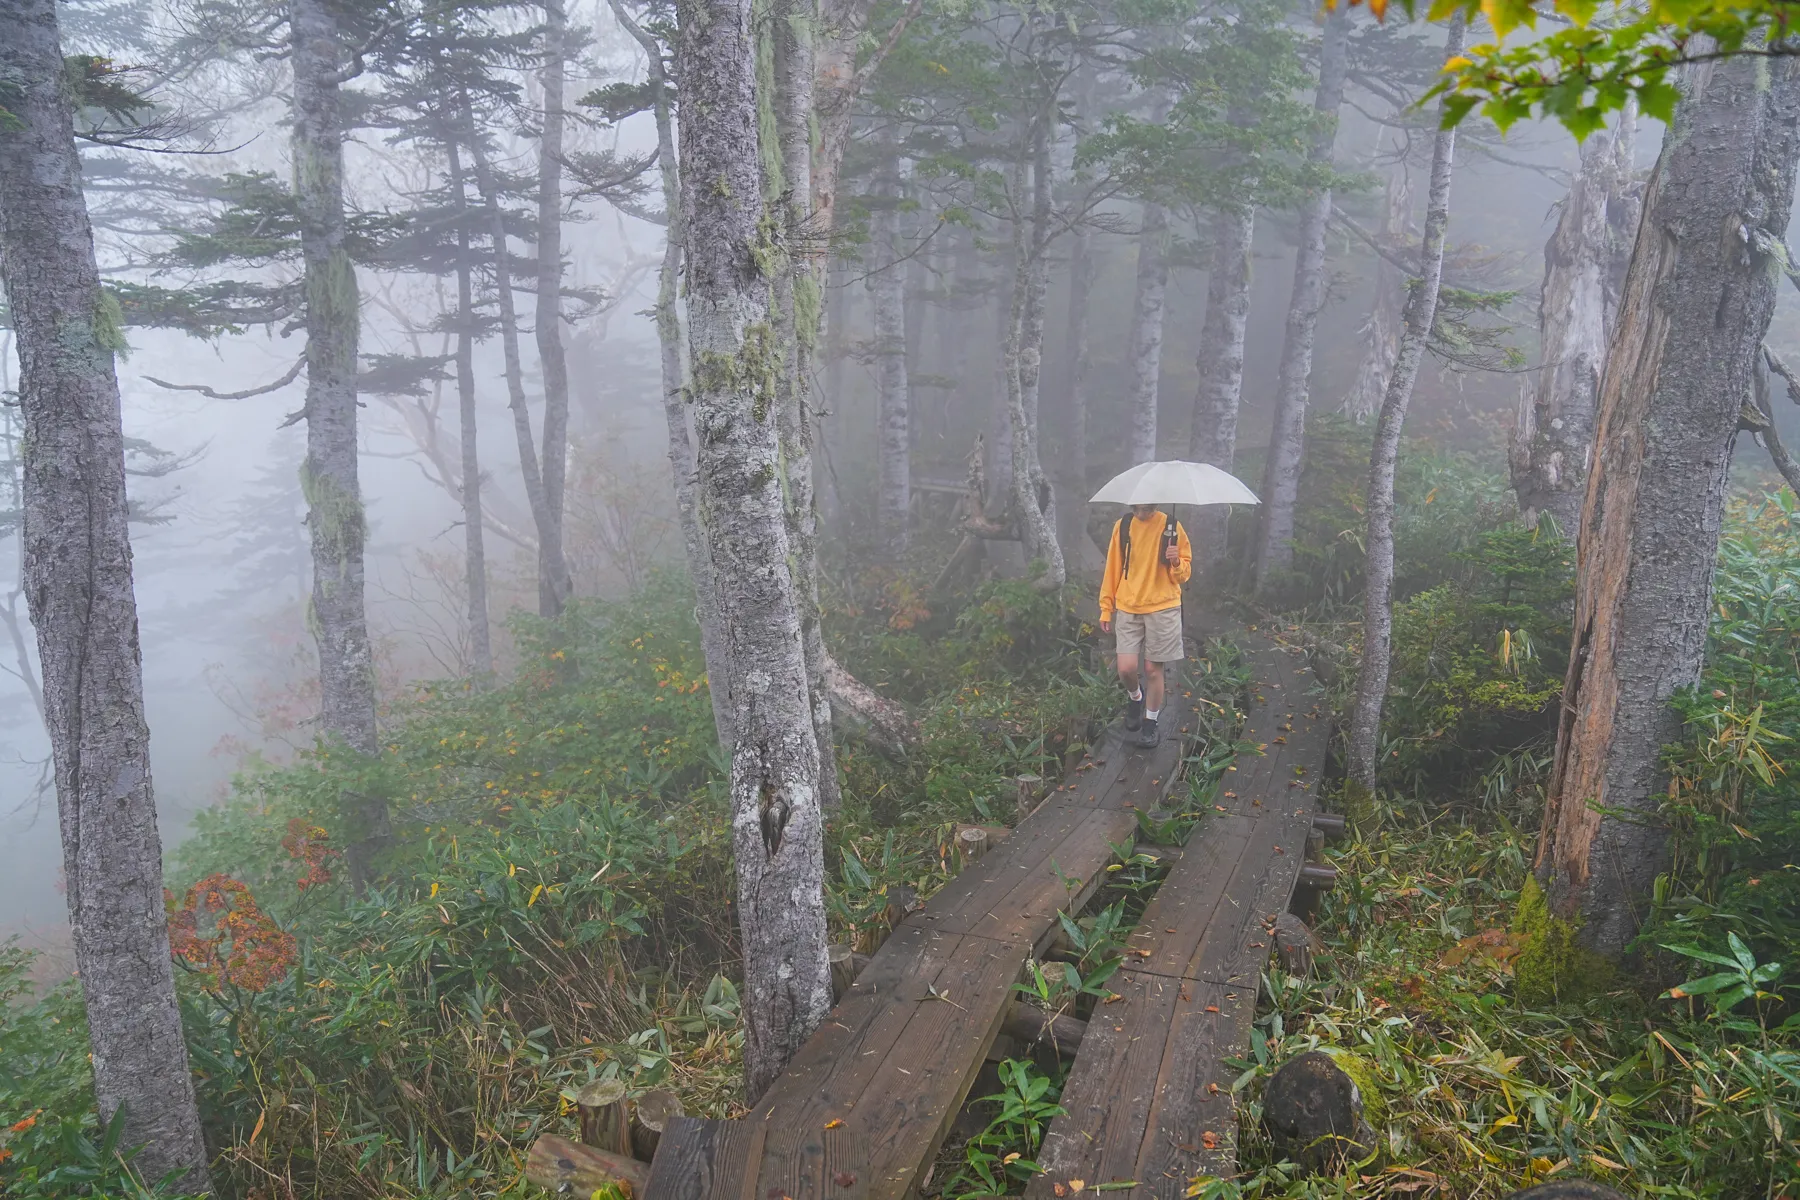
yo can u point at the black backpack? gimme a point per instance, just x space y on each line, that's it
1170 535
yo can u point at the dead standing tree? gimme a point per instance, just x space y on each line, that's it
79 589
1697 302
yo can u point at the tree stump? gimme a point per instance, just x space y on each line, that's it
1314 1114
1569 1189
972 843
655 1109
1295 946
1029 788
843 969
605 1121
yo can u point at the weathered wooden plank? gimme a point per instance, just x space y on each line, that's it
894 1083
704 1160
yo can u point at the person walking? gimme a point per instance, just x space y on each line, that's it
1147 560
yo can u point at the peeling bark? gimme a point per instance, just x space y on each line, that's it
1696 306
1378 572
1554 435
78 584
777 820
1213 438
1287 438
1033 500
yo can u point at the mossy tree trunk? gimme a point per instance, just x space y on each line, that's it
672 358
733 255
1378 545
329 477
78 584
1697 302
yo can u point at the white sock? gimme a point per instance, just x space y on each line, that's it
1138 694
1150 713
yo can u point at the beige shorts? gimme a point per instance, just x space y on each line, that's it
1155 636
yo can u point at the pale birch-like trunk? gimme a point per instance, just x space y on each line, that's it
1033 500
893 420
554 584
1378 571
669 335
1287 437
481 648
1072 426
329 479
1213 438
1147 305
1554 436
1381 332
78 584
777 820
1697 303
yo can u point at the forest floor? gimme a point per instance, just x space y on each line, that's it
558 906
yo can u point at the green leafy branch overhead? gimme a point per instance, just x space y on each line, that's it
1577 60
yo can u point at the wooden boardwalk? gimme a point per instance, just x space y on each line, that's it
864 1107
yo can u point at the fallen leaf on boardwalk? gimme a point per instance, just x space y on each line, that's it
1231 795
1212 1089
1210 1140
1143 954
833 1123
1258 945
1281 741
1213 1008
1112 998
1013 1157
1168 930
1059 1189
1076 1185
844 1179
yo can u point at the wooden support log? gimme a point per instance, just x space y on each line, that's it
1028 788
844 969
650 1119
972 843
569 1168
1032 1026
1331 825
605 1120
1320 877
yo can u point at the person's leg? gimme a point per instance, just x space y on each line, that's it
1153 686
1128 673
1129 628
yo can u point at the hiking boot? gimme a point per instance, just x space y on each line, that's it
1134 712
1149 736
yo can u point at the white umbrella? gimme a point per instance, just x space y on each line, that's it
1175 483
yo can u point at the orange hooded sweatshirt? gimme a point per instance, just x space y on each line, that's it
1150 584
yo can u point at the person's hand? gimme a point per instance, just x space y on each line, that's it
1172 554
1105 624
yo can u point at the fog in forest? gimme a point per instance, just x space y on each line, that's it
222 568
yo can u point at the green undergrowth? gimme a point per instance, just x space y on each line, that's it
557 905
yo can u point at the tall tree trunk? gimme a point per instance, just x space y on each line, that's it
481 649
1287 437
999 446
893 420
78 583
799 292
1555 433
1378 571
1381 332
554 584
1221 365
1071 459
529 469
1696 307
1033 500
329 479
777 822
1147 332
682 465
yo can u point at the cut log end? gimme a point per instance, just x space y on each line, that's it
605 1121
972 843
1314 1114
650 1120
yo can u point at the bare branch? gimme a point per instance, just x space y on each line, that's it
293 373
1784 462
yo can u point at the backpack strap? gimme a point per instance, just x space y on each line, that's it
1124 536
